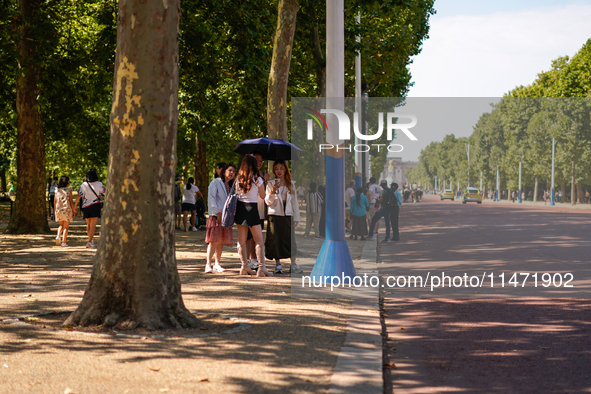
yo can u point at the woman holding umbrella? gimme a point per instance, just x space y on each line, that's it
248 187
284 215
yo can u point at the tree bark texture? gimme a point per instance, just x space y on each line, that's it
30 210
201 173
134 281
279 74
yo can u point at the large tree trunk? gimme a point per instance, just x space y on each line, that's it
201 175
279 74
536 189
30 210
134 280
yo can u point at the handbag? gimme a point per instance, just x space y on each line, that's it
229 209
91 188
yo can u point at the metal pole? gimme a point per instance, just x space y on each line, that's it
334 258
552 187
497 191
519 196
358 108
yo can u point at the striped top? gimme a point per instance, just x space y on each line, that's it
314 202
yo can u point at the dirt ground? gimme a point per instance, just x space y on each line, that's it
270 342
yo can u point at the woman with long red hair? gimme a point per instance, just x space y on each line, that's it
248 187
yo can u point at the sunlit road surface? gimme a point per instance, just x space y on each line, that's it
532 335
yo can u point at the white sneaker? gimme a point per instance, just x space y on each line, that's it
208 268
57 241
194 229
253 264
90 245
64 245
278 269
296 269
218 268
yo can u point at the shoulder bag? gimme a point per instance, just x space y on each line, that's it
229 210
91 188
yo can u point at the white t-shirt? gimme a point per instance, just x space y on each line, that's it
301 190
189 195
88 195
253 193
349 193
375 193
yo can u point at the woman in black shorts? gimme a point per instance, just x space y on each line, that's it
249 186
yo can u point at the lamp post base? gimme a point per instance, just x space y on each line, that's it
334 259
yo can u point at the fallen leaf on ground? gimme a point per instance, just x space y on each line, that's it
402 328
156 369
203 380
389 365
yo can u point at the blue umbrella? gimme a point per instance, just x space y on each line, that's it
269 148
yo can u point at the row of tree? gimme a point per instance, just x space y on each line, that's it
520 129
234 60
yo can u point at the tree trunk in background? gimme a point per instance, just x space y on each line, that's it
573 196
134 281
3 180
536 189
201 173
279 73
563 190
580 193
30 210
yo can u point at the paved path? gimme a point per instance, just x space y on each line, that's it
510 339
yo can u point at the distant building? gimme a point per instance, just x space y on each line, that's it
394 170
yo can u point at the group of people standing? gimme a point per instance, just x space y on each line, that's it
259 198
369 205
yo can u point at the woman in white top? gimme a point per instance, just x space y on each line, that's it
188 204
248 187
216 235
284 215
91 192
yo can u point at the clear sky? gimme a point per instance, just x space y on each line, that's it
485 48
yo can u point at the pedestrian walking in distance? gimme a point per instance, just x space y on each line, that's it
313 211
64 209
188 203
359 208
91 192
395 212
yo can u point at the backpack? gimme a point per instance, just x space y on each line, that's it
390 202
177 192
